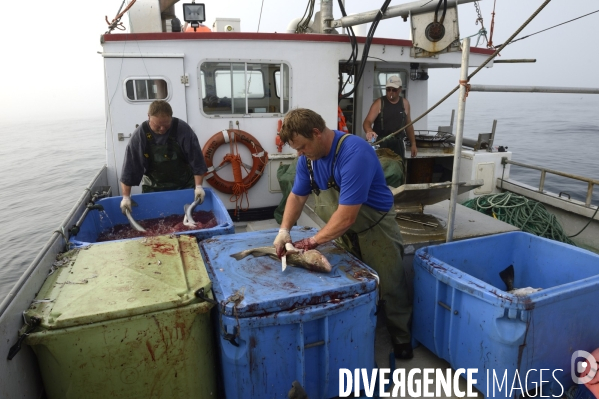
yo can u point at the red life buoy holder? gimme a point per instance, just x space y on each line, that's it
239 185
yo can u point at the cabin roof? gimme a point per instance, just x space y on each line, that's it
121 37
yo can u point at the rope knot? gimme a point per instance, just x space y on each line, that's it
467 86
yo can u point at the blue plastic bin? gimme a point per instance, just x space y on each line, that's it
463 314
291 325
151 206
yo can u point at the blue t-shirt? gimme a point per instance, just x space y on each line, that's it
358 173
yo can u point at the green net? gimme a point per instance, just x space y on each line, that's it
528 215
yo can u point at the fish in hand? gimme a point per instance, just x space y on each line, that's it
312 260
188 209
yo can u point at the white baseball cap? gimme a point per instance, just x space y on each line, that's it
394 81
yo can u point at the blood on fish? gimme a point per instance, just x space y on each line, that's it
159 226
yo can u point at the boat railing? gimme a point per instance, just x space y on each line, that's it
591 182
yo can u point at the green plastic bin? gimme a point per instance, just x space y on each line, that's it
122 320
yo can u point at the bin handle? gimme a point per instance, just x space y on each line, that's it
202 295
231 339
12 352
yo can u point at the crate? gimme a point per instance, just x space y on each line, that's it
463 314
122 320
151 206
275 327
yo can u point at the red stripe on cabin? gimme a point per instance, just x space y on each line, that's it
124 37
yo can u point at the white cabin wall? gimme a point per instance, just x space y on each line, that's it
418 98
311 86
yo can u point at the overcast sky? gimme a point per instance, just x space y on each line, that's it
51 68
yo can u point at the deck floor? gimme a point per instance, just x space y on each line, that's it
423 358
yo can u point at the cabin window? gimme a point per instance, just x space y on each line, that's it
380 81
282 92
244 88
146 89
203 85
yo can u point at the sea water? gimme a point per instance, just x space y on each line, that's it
45 166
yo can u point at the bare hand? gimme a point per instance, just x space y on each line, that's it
414 151
370 136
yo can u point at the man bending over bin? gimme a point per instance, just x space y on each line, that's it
163 154
344 173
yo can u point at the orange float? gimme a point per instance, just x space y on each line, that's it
201 28
241 184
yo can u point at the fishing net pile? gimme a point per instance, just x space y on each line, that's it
528 215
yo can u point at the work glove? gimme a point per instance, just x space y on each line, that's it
306 244
280 240
199 194
126 204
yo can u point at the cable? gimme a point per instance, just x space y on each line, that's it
497 51
555 26
116 22
444 11
303 24
352 58
260 19
586 225
376 58
366 48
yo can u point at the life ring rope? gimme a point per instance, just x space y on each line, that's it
239 187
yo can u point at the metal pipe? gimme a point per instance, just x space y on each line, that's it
532 89
326 15
455 178
554 172
403 10
465 141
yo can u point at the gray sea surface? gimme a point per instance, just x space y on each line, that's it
44 167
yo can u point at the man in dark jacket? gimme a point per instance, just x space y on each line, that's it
163 154
388 114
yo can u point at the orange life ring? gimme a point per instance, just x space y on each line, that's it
259 156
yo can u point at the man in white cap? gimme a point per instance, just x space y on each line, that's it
388 114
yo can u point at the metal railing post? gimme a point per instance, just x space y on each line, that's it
455 179
589 195
542 182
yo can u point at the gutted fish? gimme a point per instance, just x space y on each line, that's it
188 219
311 260
134 224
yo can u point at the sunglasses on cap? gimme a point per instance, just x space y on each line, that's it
391 89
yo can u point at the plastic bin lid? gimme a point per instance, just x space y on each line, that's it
263 288
121 279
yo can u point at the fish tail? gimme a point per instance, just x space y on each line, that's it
240 255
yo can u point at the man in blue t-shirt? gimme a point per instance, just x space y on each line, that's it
353 199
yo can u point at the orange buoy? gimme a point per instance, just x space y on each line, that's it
201 28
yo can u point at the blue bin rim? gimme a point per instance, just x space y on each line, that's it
227 225
447 274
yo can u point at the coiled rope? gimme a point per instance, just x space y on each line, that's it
528 215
